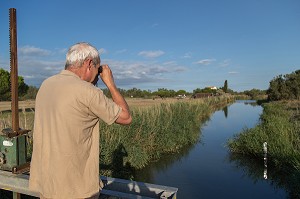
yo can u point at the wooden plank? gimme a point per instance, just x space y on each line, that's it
6 105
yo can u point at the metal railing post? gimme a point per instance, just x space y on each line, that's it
16 195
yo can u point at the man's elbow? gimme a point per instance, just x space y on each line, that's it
124 119
128 121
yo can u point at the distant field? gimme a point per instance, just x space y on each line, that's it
137 102
132 102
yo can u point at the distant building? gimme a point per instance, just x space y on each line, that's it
181 96
212 87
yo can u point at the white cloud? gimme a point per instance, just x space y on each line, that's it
170 63
33 51
35 71
151 54
102 51
29 76
187 55
121 51
233 72
126 73
142 72
62 51
205 61
225 63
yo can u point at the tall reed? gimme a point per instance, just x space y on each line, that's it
163 127
279 127
156 130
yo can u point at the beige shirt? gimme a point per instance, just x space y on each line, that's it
65 159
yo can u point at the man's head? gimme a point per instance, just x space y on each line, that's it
84 60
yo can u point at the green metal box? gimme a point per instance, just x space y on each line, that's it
13 151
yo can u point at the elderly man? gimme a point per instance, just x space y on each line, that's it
65 158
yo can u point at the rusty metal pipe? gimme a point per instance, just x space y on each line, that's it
14 68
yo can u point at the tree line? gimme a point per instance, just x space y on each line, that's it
24 91
29 92
282 87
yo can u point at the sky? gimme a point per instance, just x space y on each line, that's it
151 44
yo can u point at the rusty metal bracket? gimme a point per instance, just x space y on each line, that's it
24 168
8 132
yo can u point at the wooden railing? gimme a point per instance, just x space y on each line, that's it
120 188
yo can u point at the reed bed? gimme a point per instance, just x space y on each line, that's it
159 126
156 130
26 119
280 127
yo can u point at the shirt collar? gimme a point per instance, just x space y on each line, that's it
69 73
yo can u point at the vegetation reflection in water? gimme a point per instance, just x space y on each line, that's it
155 131
279 128
278 178
169 127
253 168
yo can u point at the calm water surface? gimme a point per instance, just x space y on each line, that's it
205 170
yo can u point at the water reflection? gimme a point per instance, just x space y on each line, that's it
147 174
265 149
248 102
225 110
199 171
279 178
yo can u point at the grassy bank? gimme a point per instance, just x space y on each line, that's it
156 130
159 127
279 127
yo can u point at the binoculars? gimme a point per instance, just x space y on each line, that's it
100 70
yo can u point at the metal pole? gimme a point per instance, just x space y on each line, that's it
14 68
16 195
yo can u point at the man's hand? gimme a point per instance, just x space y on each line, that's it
107 76
108 80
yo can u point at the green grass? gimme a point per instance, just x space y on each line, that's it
156 130
279 127
164 127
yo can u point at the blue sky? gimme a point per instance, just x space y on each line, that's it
173 44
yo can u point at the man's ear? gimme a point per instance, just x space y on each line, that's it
88 63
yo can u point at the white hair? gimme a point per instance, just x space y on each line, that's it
79 52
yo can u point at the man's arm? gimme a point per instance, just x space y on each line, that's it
107 78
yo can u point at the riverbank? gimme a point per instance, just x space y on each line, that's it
163 128
279 127
159 126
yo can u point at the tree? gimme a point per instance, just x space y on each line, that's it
31 93
208 90
4 85
162 92
225 88
197 90
254 93
5 93
285 87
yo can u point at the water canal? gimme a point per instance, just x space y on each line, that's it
206 170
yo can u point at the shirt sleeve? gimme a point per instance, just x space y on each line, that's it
104 108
